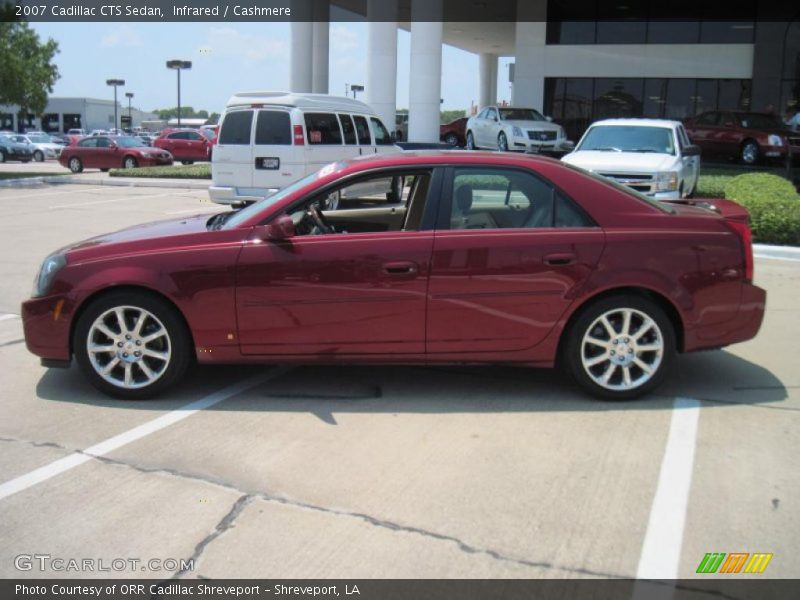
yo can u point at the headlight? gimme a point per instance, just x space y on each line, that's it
47 272
517 132
775 140
666 181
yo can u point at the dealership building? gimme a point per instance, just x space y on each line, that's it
576 60
62 114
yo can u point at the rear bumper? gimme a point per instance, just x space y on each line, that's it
744 326
47 328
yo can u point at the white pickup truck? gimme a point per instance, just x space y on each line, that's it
651 156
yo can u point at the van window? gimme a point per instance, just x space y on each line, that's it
323 128
382 137
236 128
273 127
362 129
348 128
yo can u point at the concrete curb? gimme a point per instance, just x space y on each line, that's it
776 252
191 184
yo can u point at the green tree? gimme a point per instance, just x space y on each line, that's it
187 112
27 71
446 116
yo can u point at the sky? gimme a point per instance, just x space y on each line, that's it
229 58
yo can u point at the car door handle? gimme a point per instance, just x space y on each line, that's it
560 259
400 268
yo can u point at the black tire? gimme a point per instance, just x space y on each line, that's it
75 164
2 156
451 139
750 152
502 142
572 357
129 162
179 342
187 162
26 160
470 141
38 156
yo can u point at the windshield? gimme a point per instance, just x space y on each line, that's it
520 114
628 138
759 121
130 142
240 216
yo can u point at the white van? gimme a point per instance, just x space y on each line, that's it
267 140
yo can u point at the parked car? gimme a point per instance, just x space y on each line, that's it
488 258
104 153
76 131
185 145
100 132
13 150
454 132
43 145
651 156
518 129
746 136
267 140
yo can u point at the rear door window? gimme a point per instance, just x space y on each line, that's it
236 128
348 129
362 130
323 128
273 127
382 137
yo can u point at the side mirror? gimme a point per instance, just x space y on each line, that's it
691 150
281 228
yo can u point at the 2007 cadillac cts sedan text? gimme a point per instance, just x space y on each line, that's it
442 257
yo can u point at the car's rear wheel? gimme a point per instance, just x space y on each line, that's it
502 142
451 139
75 164
620 347
129 163
750 152
38 156
470 141
131 345
105 170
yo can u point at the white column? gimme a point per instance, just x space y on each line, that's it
301 70
488 79
322 13
381 85
425 87
530 41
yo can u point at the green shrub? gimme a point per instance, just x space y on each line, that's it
774 207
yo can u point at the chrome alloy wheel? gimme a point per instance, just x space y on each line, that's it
622 349
129 347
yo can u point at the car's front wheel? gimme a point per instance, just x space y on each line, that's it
129 163
470 141
620 347
502 142
131 345
38 156
750 152
75 164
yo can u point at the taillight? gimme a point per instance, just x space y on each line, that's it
299 138
743 229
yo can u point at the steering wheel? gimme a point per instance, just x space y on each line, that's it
318 220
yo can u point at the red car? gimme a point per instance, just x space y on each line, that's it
454 132
486 258
746 136
104 153
185 145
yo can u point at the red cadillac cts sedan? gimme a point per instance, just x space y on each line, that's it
474 258
111 152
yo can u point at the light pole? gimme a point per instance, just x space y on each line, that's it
179 65
129 96
356 88
116 83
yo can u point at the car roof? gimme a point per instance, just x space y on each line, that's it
442 157
639 122
315 101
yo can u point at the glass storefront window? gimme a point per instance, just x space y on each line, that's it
617 97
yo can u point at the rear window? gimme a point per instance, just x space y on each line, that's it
362 129
236 128
323 128
348 128
273 128
382 137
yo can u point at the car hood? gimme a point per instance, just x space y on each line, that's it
538 125
148 236
615 162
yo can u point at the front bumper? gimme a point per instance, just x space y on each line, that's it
155 161
46 324
780 151
537 146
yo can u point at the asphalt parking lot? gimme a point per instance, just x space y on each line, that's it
378 472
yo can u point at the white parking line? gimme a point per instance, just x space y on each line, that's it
8 317
61 465
768 257
109 200
661 550
33 193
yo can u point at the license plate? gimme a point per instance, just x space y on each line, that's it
270 163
